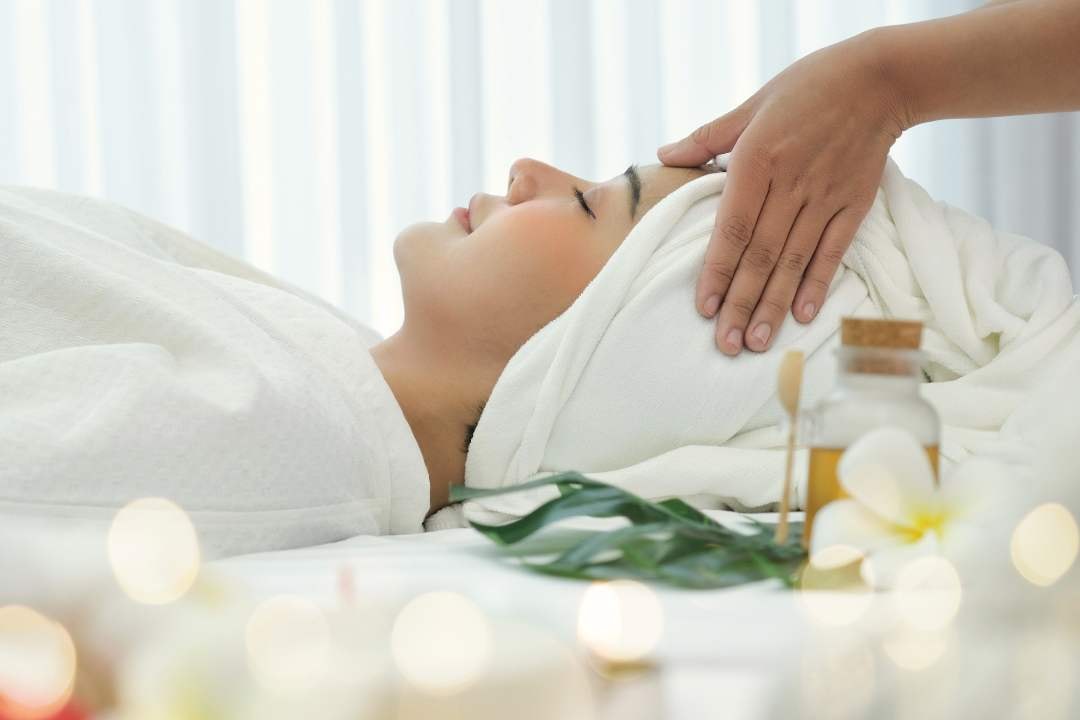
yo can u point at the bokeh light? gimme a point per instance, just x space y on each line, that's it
37 664
1044 544
831 589
927 595
441 643
532 674
288 644
915 650
620 621
153 550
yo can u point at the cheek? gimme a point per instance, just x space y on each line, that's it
496 287
546 257
557 250
564 269
526 272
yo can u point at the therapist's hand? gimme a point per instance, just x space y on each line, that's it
807 153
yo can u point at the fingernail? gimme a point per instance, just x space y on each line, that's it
665 149
761 333
808 310
711 305
734 339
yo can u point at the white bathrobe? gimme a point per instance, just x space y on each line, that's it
137 362
627 386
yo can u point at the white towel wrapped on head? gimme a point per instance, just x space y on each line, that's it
627 386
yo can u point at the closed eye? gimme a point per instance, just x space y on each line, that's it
584 205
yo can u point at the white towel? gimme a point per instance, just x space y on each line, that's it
627 387
135 361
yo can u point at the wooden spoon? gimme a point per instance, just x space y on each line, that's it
790 382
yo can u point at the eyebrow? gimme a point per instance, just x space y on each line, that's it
634 179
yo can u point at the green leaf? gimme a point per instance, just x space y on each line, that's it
602 542
669 541
686 511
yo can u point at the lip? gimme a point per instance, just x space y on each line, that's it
462 216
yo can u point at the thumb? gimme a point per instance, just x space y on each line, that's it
706 142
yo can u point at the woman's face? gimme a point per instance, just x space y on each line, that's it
490 276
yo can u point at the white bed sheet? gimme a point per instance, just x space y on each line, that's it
721 650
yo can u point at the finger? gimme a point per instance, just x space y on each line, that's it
772 308
706 142
819 274
736 216
755 267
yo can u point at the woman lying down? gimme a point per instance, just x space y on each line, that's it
547 329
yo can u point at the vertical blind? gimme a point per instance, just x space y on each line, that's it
302 135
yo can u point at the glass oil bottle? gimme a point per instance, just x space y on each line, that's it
879 374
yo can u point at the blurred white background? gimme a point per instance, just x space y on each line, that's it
303 134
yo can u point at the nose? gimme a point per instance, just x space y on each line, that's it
530 178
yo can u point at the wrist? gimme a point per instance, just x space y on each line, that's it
889 78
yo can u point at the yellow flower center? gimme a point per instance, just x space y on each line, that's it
923 520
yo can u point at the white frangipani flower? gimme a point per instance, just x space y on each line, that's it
897 513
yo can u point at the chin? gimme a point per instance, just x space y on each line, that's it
419 239
408 245
419 257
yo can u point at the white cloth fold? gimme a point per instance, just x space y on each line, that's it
627 387
135 361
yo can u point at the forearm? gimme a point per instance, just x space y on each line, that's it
1003 59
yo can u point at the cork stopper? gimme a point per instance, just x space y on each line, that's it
880 347
874 333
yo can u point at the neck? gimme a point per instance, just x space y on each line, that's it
440 393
